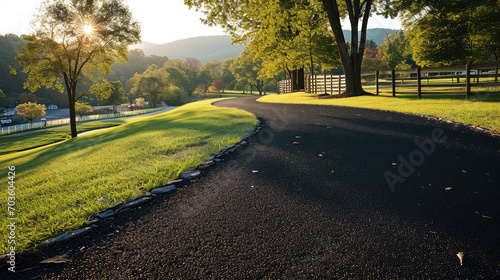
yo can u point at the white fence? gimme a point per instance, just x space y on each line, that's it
325 84
28 126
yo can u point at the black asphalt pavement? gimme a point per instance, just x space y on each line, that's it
320 193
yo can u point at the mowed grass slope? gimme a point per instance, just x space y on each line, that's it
41 137
483 110
57 185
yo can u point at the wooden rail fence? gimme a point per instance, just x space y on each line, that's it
325 84
472 74
285 86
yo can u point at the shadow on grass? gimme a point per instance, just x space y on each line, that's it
186 120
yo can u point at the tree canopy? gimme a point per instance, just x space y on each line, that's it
288 32
153 83
445 32
30 110
284 34
82 108
74 39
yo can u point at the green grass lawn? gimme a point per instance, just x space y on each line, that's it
482 110
57 185
41 137
239 93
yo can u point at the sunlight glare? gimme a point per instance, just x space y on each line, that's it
88 29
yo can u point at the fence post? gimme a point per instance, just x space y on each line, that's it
376 80
419 85
477 75
393 82
324 82
306 78
496 75
340 84
331 84
467 80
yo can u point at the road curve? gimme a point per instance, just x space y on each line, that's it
322 193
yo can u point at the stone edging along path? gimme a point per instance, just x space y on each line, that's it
456 124
108 214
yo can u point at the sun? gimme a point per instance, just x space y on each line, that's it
88 29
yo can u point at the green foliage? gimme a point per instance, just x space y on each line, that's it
137 63
30 110
451 31
83 108
27 97
4 101
10 44
246 69
204 78
214 67
75 39
140 102
117 95
227 76
396 51
153 84
179 78
286 35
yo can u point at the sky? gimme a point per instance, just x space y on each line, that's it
163 21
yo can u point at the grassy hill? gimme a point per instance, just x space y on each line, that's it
205 48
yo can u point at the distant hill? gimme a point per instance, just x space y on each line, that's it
376 34
142 45
204 48
208 48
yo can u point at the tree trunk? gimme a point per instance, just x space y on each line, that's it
260 85
72 118
351 62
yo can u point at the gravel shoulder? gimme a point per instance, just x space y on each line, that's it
309 198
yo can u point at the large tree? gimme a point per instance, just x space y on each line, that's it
74 39
446 32
246 68
153 84
396 51
286 34
358 12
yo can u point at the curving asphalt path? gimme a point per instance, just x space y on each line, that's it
309 199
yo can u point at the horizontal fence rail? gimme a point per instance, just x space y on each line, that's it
325 84
36 125
457 76
285 86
